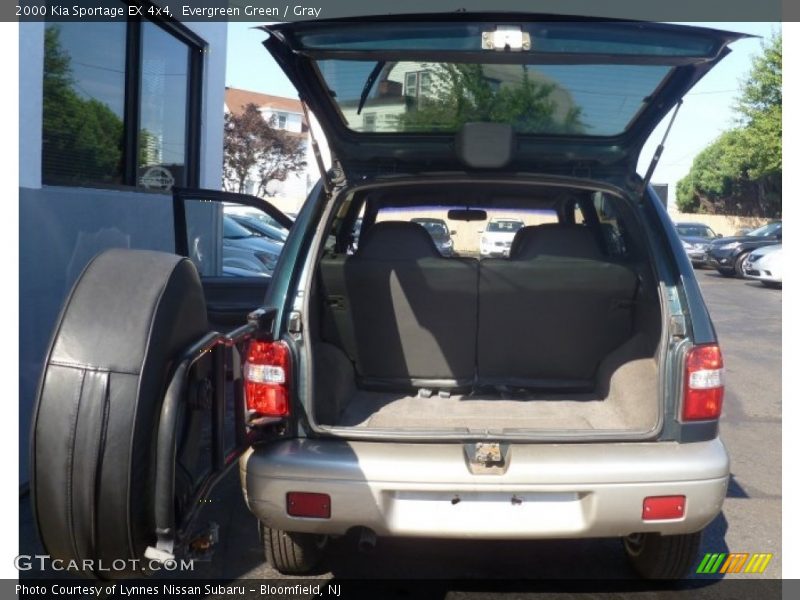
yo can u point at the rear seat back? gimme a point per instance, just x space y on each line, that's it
405 316
550 313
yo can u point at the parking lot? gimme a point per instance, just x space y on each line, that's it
748 321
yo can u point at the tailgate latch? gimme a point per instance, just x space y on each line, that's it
487 458
488 454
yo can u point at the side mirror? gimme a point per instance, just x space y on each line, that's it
719 235
453 232
480 230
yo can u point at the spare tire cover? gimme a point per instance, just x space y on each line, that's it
127 320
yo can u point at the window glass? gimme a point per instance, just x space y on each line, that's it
436 97
88 136
232 240
770 229
478 239
83 104
611 225
700 231
163 105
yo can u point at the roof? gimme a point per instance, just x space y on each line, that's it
236 99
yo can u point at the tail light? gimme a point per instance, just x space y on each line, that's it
703 388
267 370
658 508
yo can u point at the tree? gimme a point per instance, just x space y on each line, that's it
740 172
462 93
254 149
82 138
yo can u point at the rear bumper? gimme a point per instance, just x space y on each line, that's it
547 491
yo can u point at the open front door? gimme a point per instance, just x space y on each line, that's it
235 241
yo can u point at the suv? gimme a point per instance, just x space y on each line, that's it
498 236
729 254
696 239
571 390
439 232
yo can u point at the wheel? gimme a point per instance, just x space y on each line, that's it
128 317
738 266
726 272
291 552
656 556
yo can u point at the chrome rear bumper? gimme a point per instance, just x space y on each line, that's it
547 490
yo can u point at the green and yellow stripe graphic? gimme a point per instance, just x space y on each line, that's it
735 562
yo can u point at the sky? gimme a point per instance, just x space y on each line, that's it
705 114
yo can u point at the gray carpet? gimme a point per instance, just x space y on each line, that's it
630 406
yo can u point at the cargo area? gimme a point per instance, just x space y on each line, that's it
559 334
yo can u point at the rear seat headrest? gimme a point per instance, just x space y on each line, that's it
553 239
398 240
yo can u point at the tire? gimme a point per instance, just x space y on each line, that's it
127 319
291 552
738 266
656 556
726 272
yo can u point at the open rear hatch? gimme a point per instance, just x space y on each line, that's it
392 93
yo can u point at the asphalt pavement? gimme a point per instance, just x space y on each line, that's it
748 321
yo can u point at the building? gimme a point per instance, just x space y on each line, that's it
287 115
112 115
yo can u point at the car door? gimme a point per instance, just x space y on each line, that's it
235 262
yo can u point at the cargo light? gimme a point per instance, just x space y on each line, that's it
703 388
659 508
308 504
267 370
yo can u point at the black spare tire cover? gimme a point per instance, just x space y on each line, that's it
128 319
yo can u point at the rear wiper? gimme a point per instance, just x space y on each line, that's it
369 83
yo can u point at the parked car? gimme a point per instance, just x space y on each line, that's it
498 236
728 254
766 265
696 238
439 232
572 390
258 226
245 251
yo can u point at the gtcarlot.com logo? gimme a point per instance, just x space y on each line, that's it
42 562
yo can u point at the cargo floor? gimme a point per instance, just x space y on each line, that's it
386 410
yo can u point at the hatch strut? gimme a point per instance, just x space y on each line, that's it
323 172
660 149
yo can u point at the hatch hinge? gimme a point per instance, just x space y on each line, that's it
660 149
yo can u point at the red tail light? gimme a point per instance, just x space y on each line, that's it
308 504
658 508
703 388
267 370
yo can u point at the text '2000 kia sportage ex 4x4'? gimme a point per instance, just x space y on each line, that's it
569 389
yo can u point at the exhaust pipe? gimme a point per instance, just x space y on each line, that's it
366 540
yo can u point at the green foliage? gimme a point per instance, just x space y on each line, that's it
82 138
254 149
460 93
740 172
